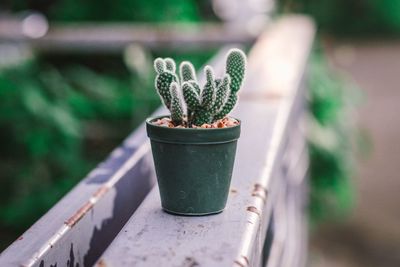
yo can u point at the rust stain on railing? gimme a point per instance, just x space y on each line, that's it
71 221
101 263
254 210
78 215
88 205
96 196
260 192
243 261
239 263
101 192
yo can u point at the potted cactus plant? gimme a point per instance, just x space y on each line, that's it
194 147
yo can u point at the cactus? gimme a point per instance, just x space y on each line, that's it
187 72
204 105
190 96
170 64
235 68
176 105
221 95
165 76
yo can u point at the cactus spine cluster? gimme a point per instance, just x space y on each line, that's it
203 105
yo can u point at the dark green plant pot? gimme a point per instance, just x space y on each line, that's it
193 167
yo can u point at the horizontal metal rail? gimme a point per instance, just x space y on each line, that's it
80 226
264 222
114 37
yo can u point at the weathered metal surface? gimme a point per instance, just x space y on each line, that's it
82 224
267 190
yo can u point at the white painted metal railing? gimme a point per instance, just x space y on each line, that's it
264 223
268 184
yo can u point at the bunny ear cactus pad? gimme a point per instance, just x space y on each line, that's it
235 67
170 64
190 96
187 72
165 70
213 102
222 93
176 106
208 92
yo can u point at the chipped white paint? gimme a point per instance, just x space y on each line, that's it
99 171
135 157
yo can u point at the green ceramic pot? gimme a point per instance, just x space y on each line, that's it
193 167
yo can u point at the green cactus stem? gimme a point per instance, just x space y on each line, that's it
213 102
159 65
187 72
176 105
190 96
229 105
235 67
170 64
201 117
164 79
196 86
222 94
208 93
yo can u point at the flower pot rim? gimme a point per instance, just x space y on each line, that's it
149 121
191 135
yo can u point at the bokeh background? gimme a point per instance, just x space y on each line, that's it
63 110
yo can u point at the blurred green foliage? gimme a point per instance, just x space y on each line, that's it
332 137
60 115
350 17
330 142
48 119
112 10
57 121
